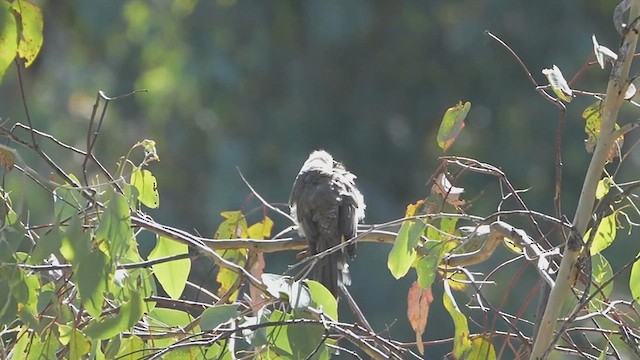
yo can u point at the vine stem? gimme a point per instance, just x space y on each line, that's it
567 275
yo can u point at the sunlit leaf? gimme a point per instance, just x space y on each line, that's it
43 347
457 281
261 230
452 124
558 84
323 299
593 117
147 186
8 37
78 345
419 300
605 234
172 275
512 245
218 351
115 227
215 316
402 253
601 272
481 349
234 225
170 317
634 280
75 244
602 53
461 341
630 92
278 336
603 187
31 30
133 348
427 265
150 151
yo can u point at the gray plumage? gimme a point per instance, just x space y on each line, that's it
327 207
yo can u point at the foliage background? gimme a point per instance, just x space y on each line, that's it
258 85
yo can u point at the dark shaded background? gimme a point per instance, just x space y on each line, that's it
258 85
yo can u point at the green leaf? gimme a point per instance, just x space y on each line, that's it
452 124
403 252
75 244
8 37
92 275
31 35
67 201
558 84
601 272
46 245
132 348
28 302
323 299
278 336
79 345
147 186
634 280
605 235
603 187
150 151
8 305
305 339
43 347
593 121
171 275
217 315
427 266
115 228
461 342
10 240
234 225
170 317
217 352
113 324
481 348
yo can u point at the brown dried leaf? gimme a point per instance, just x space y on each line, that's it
616 149
257 268
418 301
7 156
450 193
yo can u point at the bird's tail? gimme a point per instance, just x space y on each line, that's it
332 271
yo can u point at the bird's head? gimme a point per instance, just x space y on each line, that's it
319 160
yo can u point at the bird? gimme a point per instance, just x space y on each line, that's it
327 206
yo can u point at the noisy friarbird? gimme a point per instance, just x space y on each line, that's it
327 206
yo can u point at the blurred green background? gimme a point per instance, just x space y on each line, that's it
259 84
